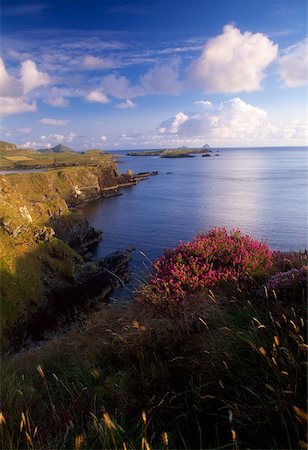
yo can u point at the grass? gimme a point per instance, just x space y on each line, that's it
224 373
15 158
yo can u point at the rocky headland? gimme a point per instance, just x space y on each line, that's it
46 267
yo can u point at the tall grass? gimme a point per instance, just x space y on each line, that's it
226 370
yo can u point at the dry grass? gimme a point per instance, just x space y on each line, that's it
18 158
134 376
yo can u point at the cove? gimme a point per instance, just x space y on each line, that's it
261 191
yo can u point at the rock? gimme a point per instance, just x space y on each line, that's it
76 231
203 156
44 234
89 257
25 213
116 261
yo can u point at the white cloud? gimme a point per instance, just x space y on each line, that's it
57 101
29 144
294 64
57 137
233 62
104 138
58 122
128 104
11 105
162 78
94 62
119 87
173 125
9 86
97 96
25 130
70 137
13 91
234 122
31 77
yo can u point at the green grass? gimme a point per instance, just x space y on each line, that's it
213 375
27 159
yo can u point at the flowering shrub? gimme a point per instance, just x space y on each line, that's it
208 261
290 286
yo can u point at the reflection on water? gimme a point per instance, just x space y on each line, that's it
261 191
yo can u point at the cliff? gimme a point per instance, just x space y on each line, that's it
41 238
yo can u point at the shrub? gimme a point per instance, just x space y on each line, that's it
289 287
210 260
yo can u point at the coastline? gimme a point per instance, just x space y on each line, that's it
47 244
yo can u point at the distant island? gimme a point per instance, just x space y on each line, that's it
181 152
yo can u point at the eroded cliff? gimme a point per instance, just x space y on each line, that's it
41 238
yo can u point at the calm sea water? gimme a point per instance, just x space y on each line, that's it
262 191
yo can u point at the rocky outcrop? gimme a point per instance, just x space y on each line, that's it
43 240
67 301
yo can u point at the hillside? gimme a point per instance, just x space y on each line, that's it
12 157
39 235
57 149
6 146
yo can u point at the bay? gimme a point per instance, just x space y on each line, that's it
261 191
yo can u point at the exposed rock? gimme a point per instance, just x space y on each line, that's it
76 231
44 234
206 154
25 213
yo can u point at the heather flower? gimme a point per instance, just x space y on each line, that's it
212 259
289 286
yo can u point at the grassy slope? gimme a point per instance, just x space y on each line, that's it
27 203
12 158
227 371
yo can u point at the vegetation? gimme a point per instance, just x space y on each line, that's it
214 259
226 368
12 157
169 153
31 258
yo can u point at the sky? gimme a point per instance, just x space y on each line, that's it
114 74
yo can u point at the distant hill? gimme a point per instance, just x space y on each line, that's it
57 149
206 147
7 146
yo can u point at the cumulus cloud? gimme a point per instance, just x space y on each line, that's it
31 77
97 97
293 64
94 62
173 124
57 137
162 79
14 91
104 138
128 104
57 101
232 122
11 105
119 87
58 122
233 61
9 86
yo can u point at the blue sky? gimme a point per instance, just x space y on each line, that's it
153 74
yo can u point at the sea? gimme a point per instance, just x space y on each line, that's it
261 191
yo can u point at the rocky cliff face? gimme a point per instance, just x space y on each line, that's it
41 235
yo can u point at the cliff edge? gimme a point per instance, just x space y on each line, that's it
41 238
